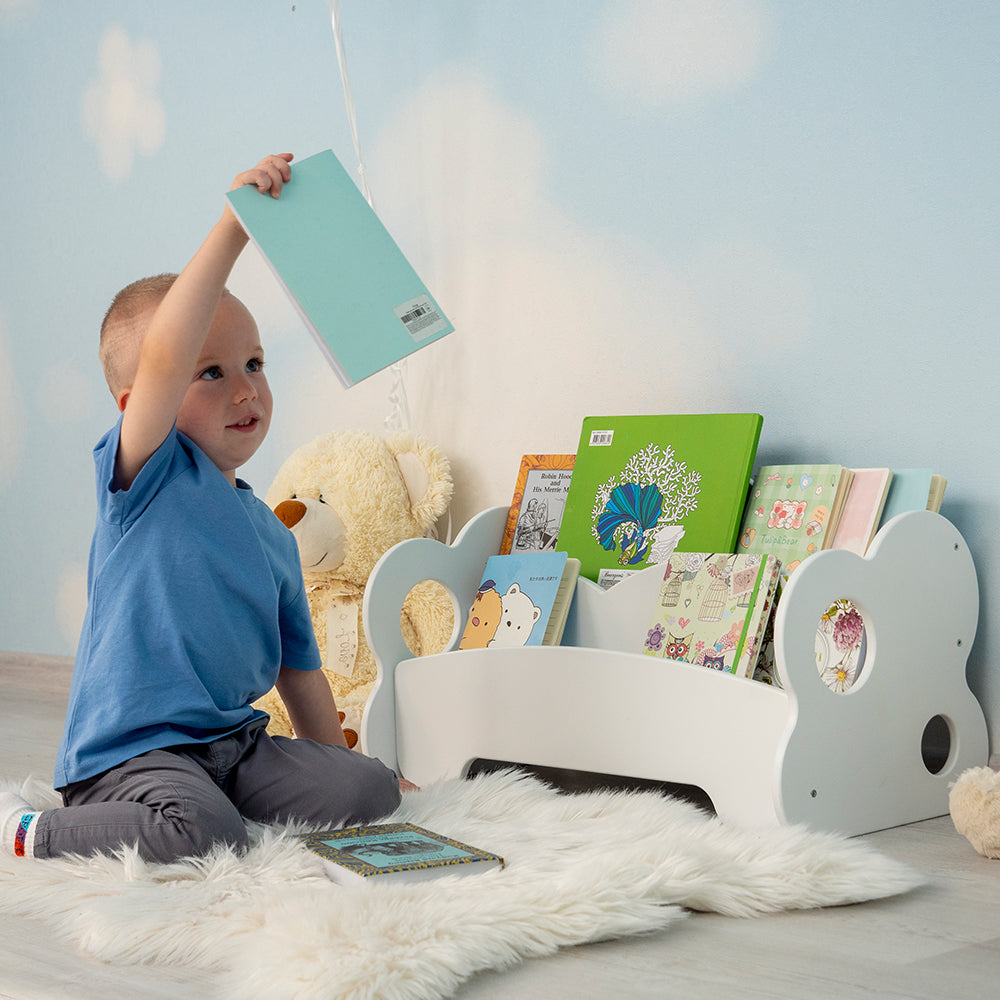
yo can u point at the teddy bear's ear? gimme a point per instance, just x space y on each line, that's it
426 473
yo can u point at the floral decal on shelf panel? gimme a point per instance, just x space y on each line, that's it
840 642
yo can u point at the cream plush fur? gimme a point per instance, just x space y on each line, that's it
348 497
974 803
267 924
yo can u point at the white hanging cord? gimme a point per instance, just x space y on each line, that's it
399 407
345 80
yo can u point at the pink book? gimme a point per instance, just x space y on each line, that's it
863 510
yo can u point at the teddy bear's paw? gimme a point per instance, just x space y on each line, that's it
974 804
349 734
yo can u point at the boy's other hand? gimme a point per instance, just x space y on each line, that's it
269 175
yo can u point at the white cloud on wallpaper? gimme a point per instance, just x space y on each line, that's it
496 247
524 282
14 13
12 418
121 111
669 52
518 268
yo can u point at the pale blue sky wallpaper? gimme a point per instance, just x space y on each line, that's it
625 206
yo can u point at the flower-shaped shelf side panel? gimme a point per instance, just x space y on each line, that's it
854 760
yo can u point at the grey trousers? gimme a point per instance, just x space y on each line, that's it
180 801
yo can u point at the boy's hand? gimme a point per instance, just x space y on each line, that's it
269 175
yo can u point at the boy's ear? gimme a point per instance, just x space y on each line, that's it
122 399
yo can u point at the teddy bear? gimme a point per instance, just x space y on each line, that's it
974 803
348 497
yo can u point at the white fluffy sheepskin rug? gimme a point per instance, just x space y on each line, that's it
579 868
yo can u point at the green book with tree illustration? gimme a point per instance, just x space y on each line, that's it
644 486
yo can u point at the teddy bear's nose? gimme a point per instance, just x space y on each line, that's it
290 512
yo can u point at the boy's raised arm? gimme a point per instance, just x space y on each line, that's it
177 330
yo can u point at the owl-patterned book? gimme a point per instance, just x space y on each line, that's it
712 610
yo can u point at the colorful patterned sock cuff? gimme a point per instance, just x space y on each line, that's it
21 834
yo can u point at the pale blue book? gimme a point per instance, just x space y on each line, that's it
352 285
913 489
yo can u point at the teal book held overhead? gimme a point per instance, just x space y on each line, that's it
354 288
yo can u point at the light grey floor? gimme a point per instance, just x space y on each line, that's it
941 942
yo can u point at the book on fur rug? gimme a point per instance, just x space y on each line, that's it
396 852
268 923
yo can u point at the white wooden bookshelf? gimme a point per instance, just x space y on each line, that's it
853 762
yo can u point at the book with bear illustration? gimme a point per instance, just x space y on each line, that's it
523 600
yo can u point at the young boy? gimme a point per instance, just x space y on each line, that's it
196 604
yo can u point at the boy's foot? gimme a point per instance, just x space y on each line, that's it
17 825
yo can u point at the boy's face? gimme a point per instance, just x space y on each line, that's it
227 408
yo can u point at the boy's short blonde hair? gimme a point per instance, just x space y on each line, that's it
122 329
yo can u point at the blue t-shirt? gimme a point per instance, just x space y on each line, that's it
195 600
